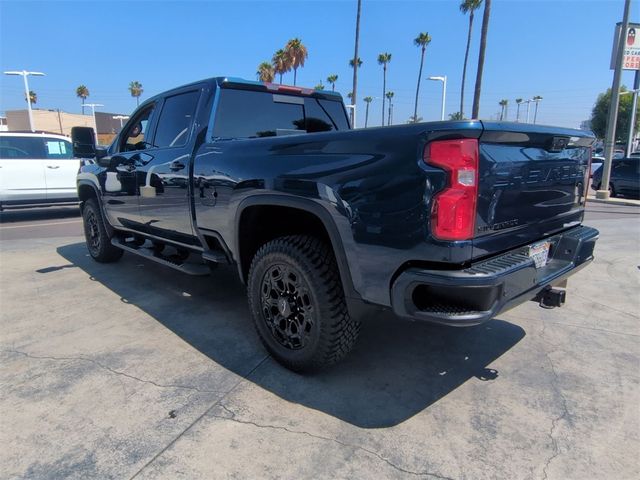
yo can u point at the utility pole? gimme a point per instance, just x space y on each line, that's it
609 141
528 102
355 67
93 106
634 103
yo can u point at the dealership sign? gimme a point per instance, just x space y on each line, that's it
631 46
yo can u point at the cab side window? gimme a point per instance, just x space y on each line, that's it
175 119
137 136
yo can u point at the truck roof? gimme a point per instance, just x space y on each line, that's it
244 84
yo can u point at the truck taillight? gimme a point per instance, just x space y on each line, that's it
453 214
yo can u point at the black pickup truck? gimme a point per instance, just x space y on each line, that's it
449 222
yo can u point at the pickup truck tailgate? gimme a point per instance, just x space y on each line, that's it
532 184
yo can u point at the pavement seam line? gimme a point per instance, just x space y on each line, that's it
172 442
329 439
555 421
109 369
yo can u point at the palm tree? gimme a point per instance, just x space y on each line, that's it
266 72
422 40
351 62
518 102
367 100
456 116
319 86
483 49
281 63
82 92
389 96
503 108
536 99
356 59
384 59
297 53
467 6
332 79
33 97
135 88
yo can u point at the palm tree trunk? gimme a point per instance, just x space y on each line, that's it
295 74
535 114
83 105
518 113
137 100
333 87
366 116
389 117
280 78
355 62
415 109
464 67
483 48
384 90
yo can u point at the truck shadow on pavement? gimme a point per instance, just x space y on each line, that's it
397 369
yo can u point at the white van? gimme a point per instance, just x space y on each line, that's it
36 169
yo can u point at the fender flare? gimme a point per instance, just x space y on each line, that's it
98 194
309 206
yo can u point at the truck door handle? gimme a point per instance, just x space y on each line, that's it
53 167
176 165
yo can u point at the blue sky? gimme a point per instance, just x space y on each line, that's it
558 49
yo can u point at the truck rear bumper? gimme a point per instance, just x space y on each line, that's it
478 293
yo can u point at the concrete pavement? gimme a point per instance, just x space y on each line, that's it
132 370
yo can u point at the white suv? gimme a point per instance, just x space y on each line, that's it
36 169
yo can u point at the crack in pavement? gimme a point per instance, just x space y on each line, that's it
234 418
109 369
555 421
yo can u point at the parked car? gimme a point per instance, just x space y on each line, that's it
625 177
596 163
36 169
448 222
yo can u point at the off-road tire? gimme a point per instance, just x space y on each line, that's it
98 240
333 333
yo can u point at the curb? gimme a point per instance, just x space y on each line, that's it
620 202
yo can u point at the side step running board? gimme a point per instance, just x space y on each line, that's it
149 254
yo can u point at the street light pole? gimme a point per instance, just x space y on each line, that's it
121 118
442 79
528 102
93 111
609 139
24 74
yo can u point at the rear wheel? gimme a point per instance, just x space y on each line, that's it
298 305
98 240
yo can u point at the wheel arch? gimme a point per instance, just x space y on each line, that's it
305 213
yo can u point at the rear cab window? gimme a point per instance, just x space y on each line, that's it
253 114
36 148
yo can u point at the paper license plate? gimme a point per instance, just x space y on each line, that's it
539 252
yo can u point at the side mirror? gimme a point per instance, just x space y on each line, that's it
84 142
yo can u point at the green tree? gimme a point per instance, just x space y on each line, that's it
503 108
600 113
422 40
467 6
135 88
266 72
33 97
82 92
389 96
384 59
297 53
413 119
319 86
481 55
518 102
332 79
367 100
281 63
456 116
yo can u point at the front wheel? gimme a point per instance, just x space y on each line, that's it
297 303
98 240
